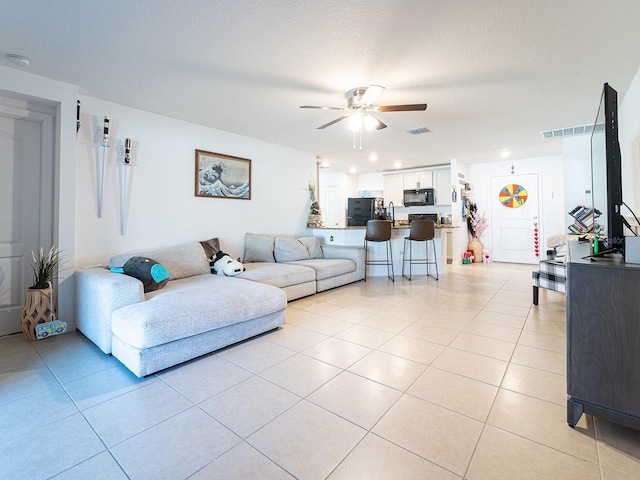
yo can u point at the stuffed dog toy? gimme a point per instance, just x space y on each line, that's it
223 264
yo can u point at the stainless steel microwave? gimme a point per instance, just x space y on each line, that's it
419 197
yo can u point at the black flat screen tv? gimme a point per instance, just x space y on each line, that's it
606 175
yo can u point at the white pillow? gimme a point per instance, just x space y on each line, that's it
258 248
313 245
290 250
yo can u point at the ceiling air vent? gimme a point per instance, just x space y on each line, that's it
569 131
418 130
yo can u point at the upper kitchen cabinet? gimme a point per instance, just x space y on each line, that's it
438 179
393 186
443 186
417 180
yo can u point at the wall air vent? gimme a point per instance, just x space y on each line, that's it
569 131
418 130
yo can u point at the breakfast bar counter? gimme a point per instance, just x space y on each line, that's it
355 236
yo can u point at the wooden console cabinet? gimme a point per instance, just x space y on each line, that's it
603 337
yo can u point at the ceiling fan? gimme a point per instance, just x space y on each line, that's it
361 109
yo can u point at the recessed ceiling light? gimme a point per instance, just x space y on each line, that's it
397 165
373 157
18 60
324 164
505 154
352 170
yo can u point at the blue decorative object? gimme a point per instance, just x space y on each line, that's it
153 275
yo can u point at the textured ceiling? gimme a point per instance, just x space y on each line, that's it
492 72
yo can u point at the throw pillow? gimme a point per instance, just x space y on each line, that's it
211 247
153 275
313 245
258 248
290 250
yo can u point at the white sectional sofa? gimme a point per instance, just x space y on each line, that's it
300 266
197 312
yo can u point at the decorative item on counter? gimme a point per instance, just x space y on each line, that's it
38 317
476 225
315 216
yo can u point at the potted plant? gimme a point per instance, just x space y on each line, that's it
38 305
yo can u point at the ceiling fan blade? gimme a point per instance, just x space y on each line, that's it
380 124
332 122
402 108
371 95
322 108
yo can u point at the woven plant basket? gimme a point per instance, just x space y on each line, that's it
37 309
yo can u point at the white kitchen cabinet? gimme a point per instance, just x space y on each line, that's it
411 180
393 186
443 187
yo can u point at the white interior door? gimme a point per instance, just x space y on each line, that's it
331 206
25 205
515 222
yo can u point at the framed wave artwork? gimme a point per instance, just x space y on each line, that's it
222 176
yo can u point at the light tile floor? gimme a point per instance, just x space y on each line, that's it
457 378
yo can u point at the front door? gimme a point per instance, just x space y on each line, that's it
515 222
25 205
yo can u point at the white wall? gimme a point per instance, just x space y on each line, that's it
629 137
550 173
459 172
163 209
576 152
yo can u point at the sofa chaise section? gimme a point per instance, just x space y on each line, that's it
191 317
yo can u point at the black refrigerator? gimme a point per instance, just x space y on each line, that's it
361 210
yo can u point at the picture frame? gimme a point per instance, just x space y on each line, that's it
222 176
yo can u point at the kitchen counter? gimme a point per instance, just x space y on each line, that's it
355 236
395 227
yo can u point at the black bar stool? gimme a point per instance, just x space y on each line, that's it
421 231
378 231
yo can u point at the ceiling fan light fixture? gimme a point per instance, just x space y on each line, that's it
355 122
370 122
